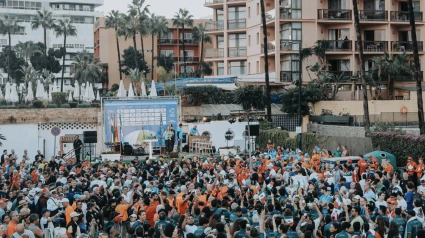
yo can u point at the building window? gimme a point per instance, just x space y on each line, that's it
220 42
3 42
220 68
237 40
21 31
290 35
249 40
189 69
249 12
237 13
258 9
187 36
290 63
220 15
189 53
237 67
257 67
258 38
167 52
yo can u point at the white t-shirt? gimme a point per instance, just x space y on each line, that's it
402 204
421 189
383 203
190 229
45 224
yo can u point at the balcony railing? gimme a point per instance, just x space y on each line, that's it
405 46
374 15
236 24
271 46
189 59
237 51
374 46
208 2
288 45
188 41
164 41
214 53
214 26
404 16
236 0
343 73
340 45
271 15
334 14
289 76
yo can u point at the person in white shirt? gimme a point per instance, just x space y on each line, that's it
401 202
421 188
381 200
188 225
126 194
46 221
329 178
53 203
61 178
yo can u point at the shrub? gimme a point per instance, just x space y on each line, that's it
3 102
65 105
267 125
37 104
52 106
401 146
97 105
22 106
275 135
59 98
84 105
73 104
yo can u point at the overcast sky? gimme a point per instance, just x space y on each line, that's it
165 8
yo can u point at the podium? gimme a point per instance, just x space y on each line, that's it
191 138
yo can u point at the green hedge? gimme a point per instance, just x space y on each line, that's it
37 104
59 98
281 138
84 105
73 104
52 106
65 105
401 146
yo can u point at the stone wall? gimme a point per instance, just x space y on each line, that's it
44 115
331 130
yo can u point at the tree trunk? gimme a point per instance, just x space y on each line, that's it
63 60
362 68
184 52
390 88
201 57
266 62
418 78
8 58
152 53
135 50
143 47
119 52
45 41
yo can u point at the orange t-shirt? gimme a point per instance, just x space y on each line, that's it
150 214
68 212
11 228
122 209
410 167
362 165
419 169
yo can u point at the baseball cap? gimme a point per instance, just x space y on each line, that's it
411 212
77 196
74 214
357 197
65 200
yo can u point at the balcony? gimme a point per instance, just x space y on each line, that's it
271 47
236 24
237 51
214 53
374 15
289 76
189 59
271 15
340 45
214 26
405 46
334 14
343 73
289 45
397 16
212 2
164 41
374 46
188 41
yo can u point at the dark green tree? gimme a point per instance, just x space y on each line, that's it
167 62
309 94
129 63
250 97
12 69
50 62
202 94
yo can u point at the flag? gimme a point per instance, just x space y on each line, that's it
121 133
262 197
111 122
115 129
161 137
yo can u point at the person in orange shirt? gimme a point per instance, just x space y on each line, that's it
122 209
419 168
362 164
411 166
179 198
11 227
150 211
388 168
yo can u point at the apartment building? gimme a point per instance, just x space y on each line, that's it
81 12
293 24
168 45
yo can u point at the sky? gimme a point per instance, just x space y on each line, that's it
165 8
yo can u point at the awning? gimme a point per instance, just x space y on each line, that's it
226 109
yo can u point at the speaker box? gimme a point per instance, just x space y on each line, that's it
186 148
254 130
89 133
173 154
90 139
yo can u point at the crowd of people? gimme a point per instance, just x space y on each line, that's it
288 193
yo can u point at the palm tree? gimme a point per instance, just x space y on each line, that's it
86 68
182 19
30 74
142 14
45 20
2 137
113 20
136 77
8 26
65 28
417 70
362 67
26 50
200 36
158 26
266 61
129 27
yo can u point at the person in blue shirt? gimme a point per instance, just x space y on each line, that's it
179 137
344 233
194 131
413 225
399 221
408 197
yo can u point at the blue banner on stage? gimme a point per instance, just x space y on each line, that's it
136 120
